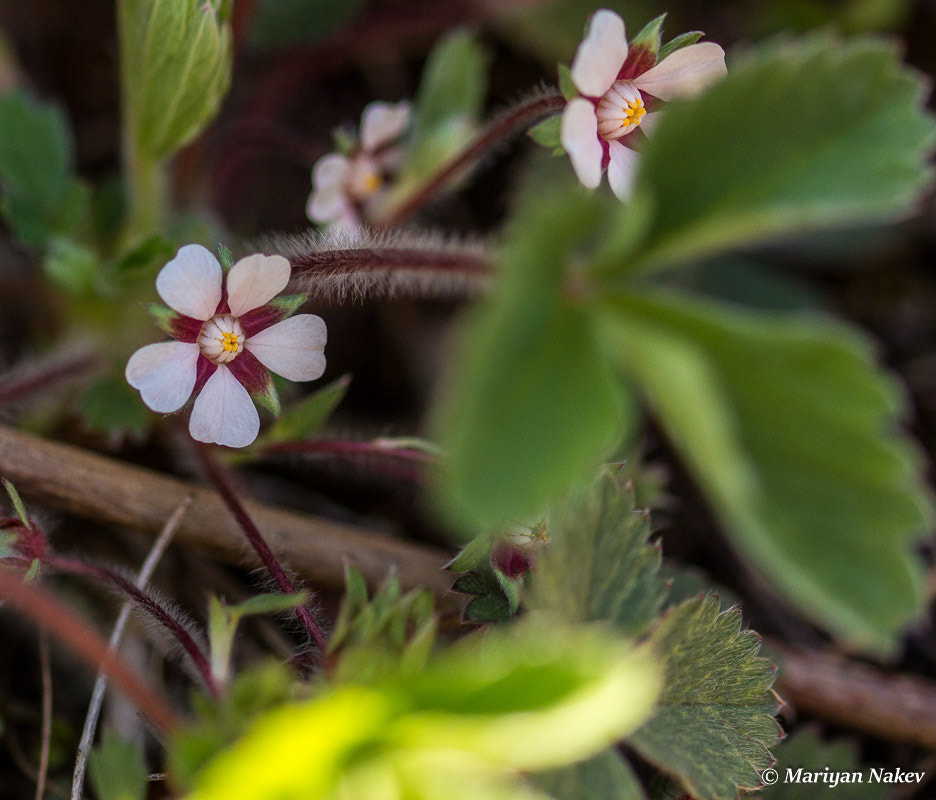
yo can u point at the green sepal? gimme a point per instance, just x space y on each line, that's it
225 257
683 40
546 133
304 419
511 587
650 37
288 304
268 397
345 141
566 84
472 554
162 316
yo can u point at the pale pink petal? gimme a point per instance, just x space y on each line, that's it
649 122
255 280
622 169
164 373
578 133
685 73
601 54
330 171
381 123
293 348
329 204
191 282
224 413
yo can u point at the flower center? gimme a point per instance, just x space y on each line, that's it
364 179
221 338
620 110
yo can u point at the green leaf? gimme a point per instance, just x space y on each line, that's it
41 196
606 776
117 770
71 266
287 23
453 82
267 604
714 723
111 406
305 418
18 505
535 404
598 564
472 554
725 171
546 133
806 751
790 430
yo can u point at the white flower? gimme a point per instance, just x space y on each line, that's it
227 338
617 87
346 187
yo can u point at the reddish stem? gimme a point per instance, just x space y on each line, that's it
57 619
514 121
45 376
370 450
224 488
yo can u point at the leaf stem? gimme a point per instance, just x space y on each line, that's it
51 615
515 120
222 484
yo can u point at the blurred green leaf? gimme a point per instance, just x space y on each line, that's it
116 769
41 196
535 404
546 133
598 563
606 776
287 23
305 418
679 42
18 505
856 149
790 430
71 266
267 604
715 719
111 406
807 751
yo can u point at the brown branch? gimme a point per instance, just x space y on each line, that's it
895 707
53 616
514 121
104 489
14 387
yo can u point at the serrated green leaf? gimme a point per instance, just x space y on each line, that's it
535 404
606 776
305 418
678 42
598 563
806 751
111 406
714 723
287 23
546 133
40 195
117 770
856 151
494 607
790 430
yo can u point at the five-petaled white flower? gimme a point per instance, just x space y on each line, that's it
617 88
228 335
346 188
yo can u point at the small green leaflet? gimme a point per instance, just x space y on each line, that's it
117 770
305 418
715 722
723 171
606 776
790 430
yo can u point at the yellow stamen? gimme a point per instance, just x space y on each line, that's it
229 342
634 112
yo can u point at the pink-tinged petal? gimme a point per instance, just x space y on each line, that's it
685 73
330 171
328 205
255 280
649 122
164 373
293 348
578 133
381 123
600 55
224 413
191 282
622 169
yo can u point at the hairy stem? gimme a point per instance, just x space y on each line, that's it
223 486
100 684
56 618
516 120
399 462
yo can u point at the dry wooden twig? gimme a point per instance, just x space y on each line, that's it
896 707
105 489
